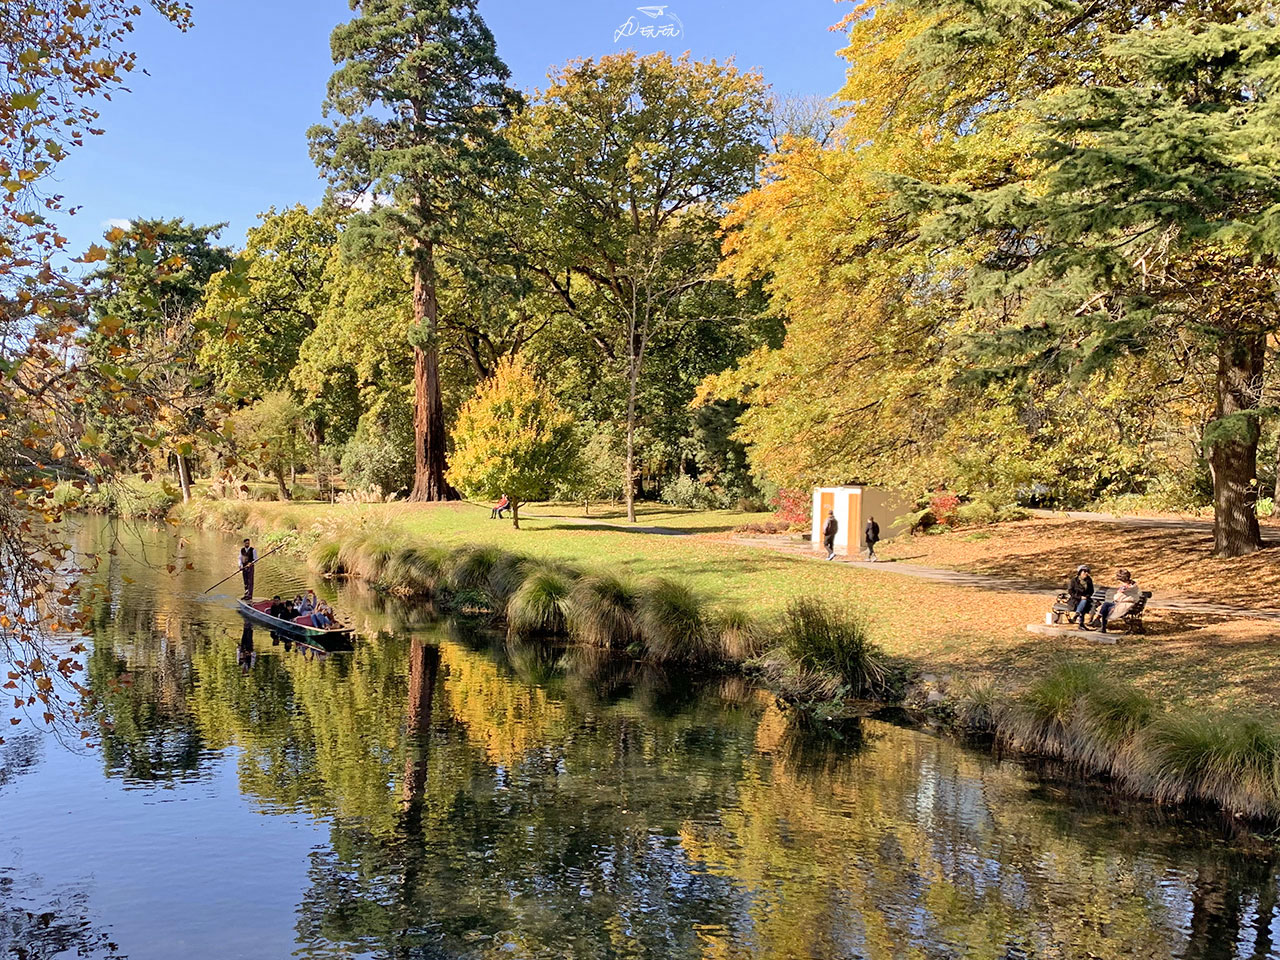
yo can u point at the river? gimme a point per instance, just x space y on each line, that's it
438 794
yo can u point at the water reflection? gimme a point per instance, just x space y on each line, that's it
478 798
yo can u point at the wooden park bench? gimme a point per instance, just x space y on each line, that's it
1063 611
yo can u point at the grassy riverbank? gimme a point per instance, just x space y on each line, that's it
1166 717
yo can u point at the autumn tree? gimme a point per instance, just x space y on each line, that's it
418 98
58 57
513 438
632 162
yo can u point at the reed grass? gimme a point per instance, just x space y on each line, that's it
740 635
470 569
602 612
673 624
826 639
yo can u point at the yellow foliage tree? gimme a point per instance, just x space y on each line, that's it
512 439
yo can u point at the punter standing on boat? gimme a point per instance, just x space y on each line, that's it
248 557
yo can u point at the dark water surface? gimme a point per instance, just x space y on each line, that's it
437 794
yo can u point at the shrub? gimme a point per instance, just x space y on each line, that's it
943 506
380 454
834 641
602 611
683 490
540 604
230 516
792 506
741 636
672 624
978 512
1011 513
300 492
1265 507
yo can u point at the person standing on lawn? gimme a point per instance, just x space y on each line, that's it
872 536
829 532
1080 594
248 557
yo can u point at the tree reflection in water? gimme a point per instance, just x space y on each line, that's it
489 799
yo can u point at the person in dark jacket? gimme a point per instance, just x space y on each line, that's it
872 536
248 557
1080 594
829 531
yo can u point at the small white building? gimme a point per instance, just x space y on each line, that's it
853 507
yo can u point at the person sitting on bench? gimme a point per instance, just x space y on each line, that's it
1080 594
1122 601
499 508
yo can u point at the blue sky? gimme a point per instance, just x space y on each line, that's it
216 132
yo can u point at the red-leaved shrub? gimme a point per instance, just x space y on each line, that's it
791 506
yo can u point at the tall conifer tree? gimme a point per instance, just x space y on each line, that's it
418 98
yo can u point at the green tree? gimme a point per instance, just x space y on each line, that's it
513 438
268 434
1150 223
146 298
420 93
632 160
265 305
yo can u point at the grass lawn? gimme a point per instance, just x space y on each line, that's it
939 628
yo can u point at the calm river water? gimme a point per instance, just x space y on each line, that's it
434 794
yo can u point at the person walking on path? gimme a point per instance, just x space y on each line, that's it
248 557
1080 594
829 532
872 536
1127 594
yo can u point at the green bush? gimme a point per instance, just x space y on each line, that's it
973 514
819 637
602 611
416 571
506 575
300 492
672 623
684 491
380 454
470 570
1011 513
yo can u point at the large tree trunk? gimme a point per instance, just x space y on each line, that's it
1233 455
429 483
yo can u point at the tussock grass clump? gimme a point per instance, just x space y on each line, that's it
415 571
540 604
1076 714
673 624
230 516
827 640
470 569
367 555
740 635
325 558
1231 761
506 575
602 612
978 705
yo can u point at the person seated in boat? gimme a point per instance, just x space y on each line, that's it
307 603
322 616
277 607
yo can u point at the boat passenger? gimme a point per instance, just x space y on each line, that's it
277 608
